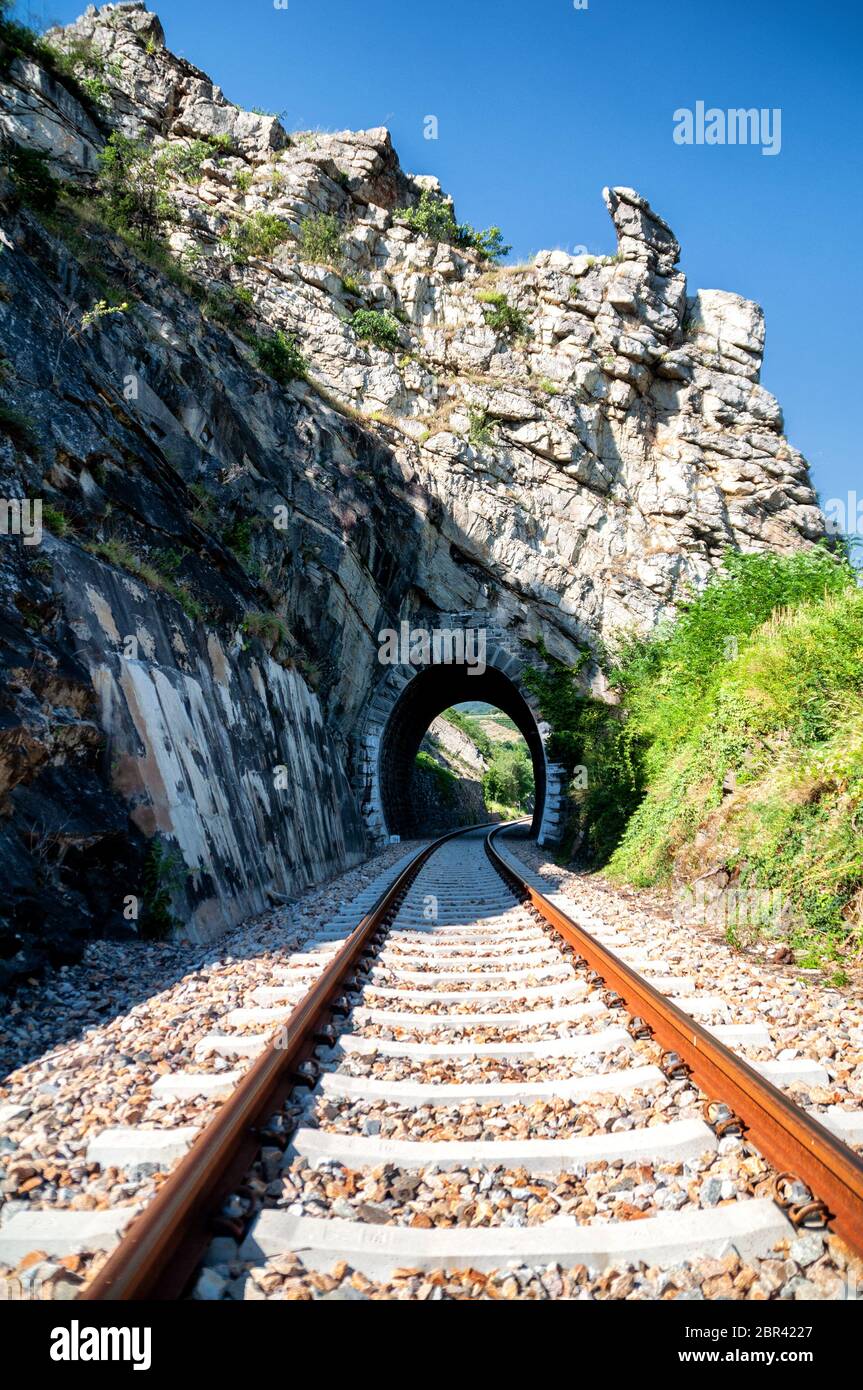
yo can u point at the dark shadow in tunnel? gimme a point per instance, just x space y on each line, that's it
432 691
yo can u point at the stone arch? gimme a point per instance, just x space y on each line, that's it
402 707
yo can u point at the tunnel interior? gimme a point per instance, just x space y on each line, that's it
430 693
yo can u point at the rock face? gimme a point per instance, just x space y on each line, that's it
455 799
560 447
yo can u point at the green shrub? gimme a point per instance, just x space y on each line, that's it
158 574
472 729
320 239
164 875
737 738
168 562
271 628
434 217
55 520
444 780
205 505
30 172
379 328
258 235
238 538
187 160
229 306
480 429
19 427
509 780
20 41
280 357
134 182
502 316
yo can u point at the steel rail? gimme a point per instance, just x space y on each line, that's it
162 1246
789 1138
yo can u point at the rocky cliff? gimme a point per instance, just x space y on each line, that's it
452 795
281 421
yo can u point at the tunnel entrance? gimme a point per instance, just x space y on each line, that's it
405 701
432 691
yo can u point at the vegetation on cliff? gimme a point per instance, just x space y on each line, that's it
736 745
508 785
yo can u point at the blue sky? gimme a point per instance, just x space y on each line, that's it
540 105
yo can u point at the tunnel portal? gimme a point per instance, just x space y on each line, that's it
428 695
398 716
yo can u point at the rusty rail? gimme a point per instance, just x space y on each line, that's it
163 1245
794 1142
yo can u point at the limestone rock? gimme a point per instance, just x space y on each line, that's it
562 473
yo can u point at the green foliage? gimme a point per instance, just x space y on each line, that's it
480 429
591 734
20 41
737 741
351 285
238 538
230 306
372 326
134 182
159 573
472 729
19 427
101 310
31 176
271 628
168 562
320 239
55 520
187 161
164 876
444 779
509 778
258 235
434 217
666 678
205 505
502 316
280 358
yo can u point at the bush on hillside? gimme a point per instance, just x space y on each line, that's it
134 182
434 217
509 779
738 737
30 172
320 239
374 327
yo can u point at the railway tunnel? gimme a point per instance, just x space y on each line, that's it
398 716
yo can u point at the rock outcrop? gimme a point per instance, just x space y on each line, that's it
454 798
562 446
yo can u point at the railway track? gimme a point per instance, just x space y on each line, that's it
465 1080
